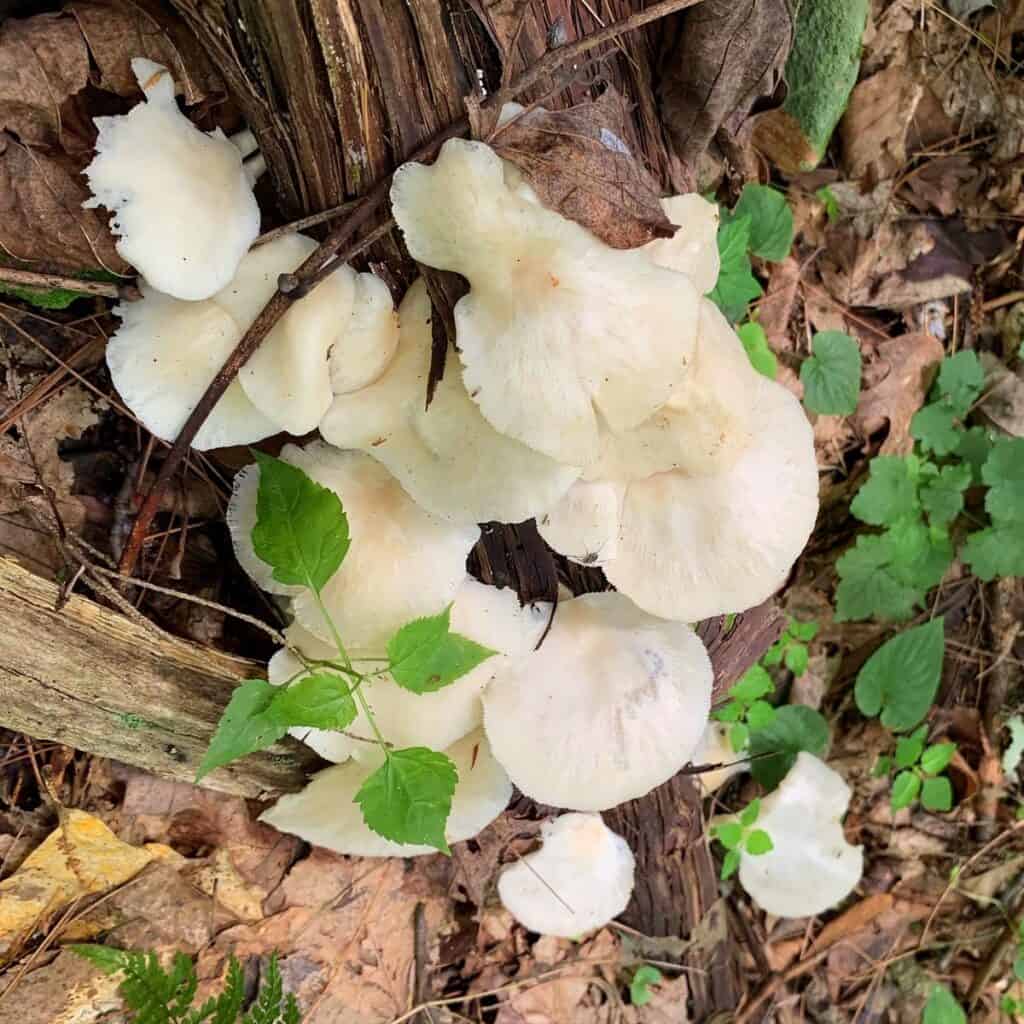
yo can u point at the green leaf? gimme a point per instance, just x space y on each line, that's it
755 343
245 726
936 757
773 749
408 799
995 552
828 200
961 380
750 813
937 794
640 986
759 843
1018 968
975 447
831 377
942 497
908 751
301 529
905 788
759 714
1004 473
882 767
771 221
901 678
730 863
797 659
1015 748
936 428
773 656
425 655
731 712
753 684
106 958
890 493
736 286
321 701
729 834
805 631
739 736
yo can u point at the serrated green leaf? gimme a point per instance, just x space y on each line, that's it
901 678
995 552
936 757
831 376
771 221
905 788
773 656
974 448
244 727
640 986
425 655
759 843
753 684
908 751
408 799
805 631
739 736
942 497
750 813
773 749
961 380
890 493
1004 473
736 286
759 714
937 428
730 863
797 659
320 701
729 834
937 794
731 712
301 529
755 344
106 958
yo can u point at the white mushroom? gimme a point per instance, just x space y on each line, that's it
448 457
715 748
486 615
693 249
811 867
182 201
560 336
371 339
402 562
580 879
325 813
612 704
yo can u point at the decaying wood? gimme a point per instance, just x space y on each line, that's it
89 677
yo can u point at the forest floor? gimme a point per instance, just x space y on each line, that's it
908 239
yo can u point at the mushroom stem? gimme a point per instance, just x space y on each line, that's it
254 167
245 142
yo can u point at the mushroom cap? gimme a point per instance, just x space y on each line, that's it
449 459
812 867
182 204
584 525
325 813
371 340
487 615
690 547
693 249
612 704
580 878
560 335
706 423
162 359
715 748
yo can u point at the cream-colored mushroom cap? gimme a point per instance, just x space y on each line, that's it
693 249
491 617
715 748
183 205
580 879
560 336
325 813
448 457
812 867
370 342
584 524
612 704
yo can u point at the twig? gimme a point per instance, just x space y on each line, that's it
47 282
777 981
329 256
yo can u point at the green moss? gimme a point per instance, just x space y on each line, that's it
53 298
822 67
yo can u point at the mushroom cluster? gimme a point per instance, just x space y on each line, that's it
591 388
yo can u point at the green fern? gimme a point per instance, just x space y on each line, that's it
157 996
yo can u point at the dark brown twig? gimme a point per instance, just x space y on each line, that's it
329 256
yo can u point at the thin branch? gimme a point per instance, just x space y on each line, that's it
330 255
48 282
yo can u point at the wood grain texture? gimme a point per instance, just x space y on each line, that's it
86 676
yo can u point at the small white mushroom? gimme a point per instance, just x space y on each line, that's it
402 563
560 337
693 249
715 748
182 200
811 867
612 704
580 879
371 340
325 813
448 457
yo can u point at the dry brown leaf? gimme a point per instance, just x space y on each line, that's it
775 309
70 990
874 128
901 378
1003 403
578 165
853 920
668 1004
